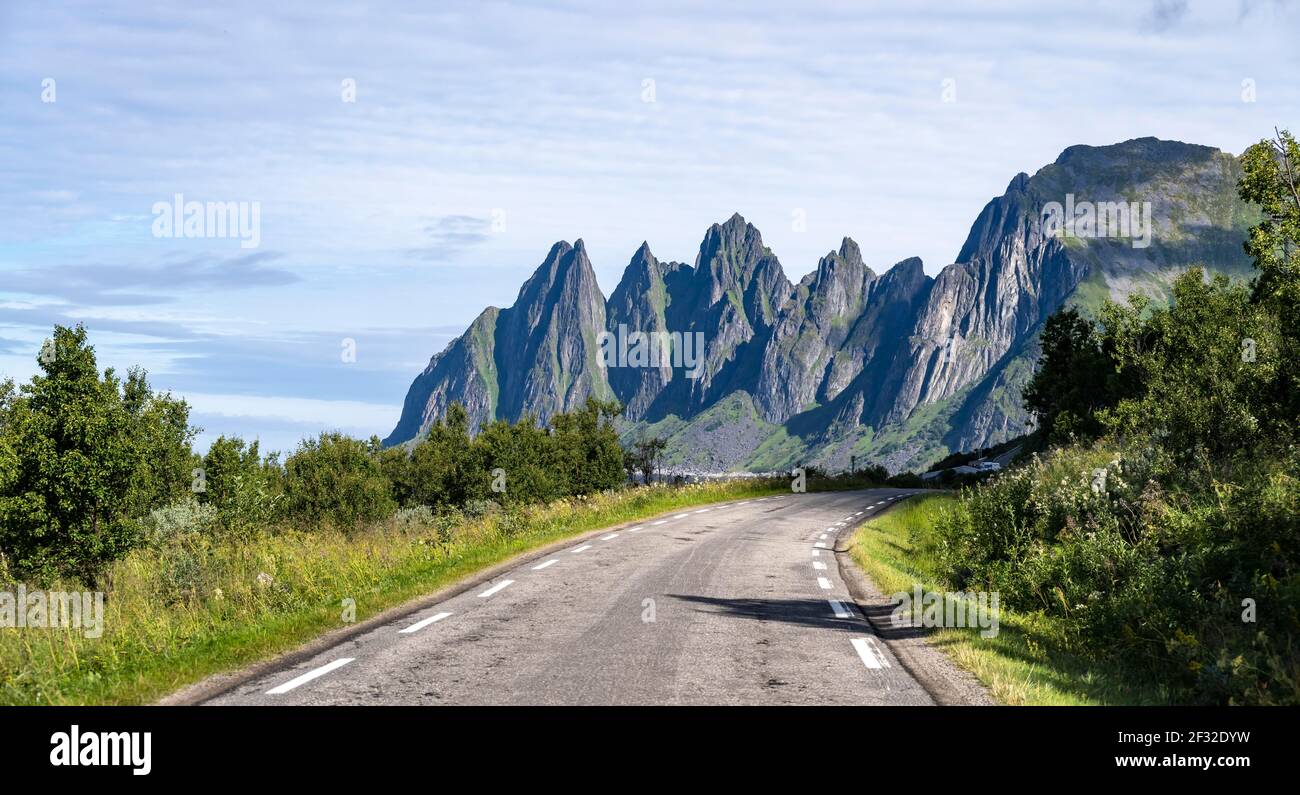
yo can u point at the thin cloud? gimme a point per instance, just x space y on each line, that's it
130 285
451 235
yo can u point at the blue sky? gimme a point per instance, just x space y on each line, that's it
481 133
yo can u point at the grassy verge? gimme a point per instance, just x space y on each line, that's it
1027 662
196 606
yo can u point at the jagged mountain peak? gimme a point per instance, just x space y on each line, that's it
896 368
846 263
849 250
909 265
563 265
734 232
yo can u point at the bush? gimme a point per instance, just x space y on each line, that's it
1132 570
417 516
337 481
243 491
181 518
904 480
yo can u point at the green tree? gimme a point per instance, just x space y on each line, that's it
518 456
438 470
161 425
1072 380
587 455
83 457
1204 392
1272 180
646 453
338 481
237 483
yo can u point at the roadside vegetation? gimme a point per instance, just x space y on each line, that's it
1029 661
1156 536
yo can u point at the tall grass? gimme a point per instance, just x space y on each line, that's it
193 605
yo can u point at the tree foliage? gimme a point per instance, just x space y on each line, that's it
337 481
83 457
579 453
1165 525
1072 381
243 489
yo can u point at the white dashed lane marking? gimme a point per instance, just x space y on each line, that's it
419 625
609 537
310 675
550 562
824 583
819 566
496 588
582 548
838 608
871 654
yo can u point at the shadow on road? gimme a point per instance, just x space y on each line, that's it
814 613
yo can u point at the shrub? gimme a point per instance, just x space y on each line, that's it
242 490
1127 568
181 518
903 480
417 516
338 481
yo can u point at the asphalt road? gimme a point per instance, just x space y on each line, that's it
740 603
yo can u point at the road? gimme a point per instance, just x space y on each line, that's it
739 603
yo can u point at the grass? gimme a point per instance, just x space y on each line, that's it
196 606
1026 663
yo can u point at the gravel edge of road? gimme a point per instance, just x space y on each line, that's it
216 685
946 682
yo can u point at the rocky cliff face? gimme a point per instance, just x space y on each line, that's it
536 358
896 368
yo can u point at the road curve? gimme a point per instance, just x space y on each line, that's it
739 603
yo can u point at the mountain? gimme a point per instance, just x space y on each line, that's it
741 369
538 357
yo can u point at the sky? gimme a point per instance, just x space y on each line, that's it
402 166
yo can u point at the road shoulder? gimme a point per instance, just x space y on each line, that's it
946 682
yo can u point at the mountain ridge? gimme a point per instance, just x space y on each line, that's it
896 368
